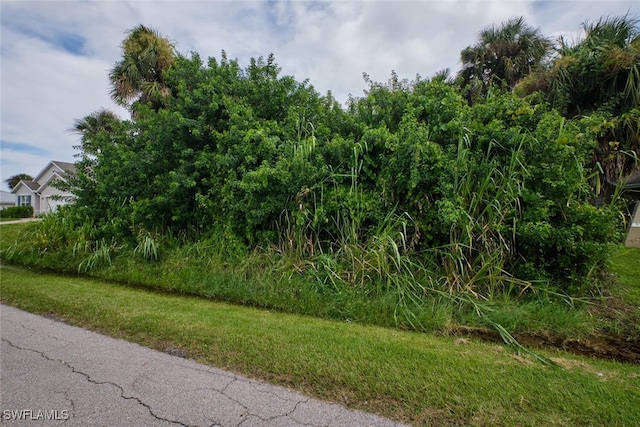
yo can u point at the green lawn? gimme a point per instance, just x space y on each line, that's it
626 271
411 377
8 232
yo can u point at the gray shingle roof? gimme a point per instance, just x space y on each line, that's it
69 167
32 185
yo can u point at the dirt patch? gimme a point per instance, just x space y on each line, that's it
617 338
53 316
178 352
601 346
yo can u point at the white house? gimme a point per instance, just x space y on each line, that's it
41 193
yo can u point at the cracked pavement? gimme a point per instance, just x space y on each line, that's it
55 374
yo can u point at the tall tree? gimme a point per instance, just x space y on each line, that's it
95 131
601 68
98 121
503 55
599 75
14 180
138 77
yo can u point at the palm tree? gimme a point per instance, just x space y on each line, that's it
138 77
599 73
101 120
602 68
95 133
503 55
443 76
14 180
90 126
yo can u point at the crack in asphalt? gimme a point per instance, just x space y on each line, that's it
246 415
279 416
295 408
89 379
73 404
288 402
35 331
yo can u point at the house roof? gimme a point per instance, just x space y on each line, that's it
33 186
60 171
54 176
62 166
66 166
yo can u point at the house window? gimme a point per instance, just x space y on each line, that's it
24 200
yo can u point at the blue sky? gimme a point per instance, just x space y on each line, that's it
55 55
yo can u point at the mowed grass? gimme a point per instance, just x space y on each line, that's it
626 272
412 377
9 232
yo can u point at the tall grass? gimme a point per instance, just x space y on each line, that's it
482 240
147 246
389 289
379 263
369 274
94 254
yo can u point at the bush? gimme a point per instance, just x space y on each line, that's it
17 212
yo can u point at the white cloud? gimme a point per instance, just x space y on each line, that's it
45 86
333 46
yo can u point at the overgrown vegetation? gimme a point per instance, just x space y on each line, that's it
17 212
242 184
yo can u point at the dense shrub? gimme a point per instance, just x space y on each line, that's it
17 212
409 181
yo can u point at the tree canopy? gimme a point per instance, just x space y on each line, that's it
599 75
14 180
503 55
138 76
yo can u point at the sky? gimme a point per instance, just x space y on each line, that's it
55 55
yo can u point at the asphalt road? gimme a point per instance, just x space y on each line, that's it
55 374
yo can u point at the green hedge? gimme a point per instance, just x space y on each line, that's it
17 212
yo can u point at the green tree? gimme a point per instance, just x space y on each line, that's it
139 75
599 75
600 70
503 55
14 180
90 126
